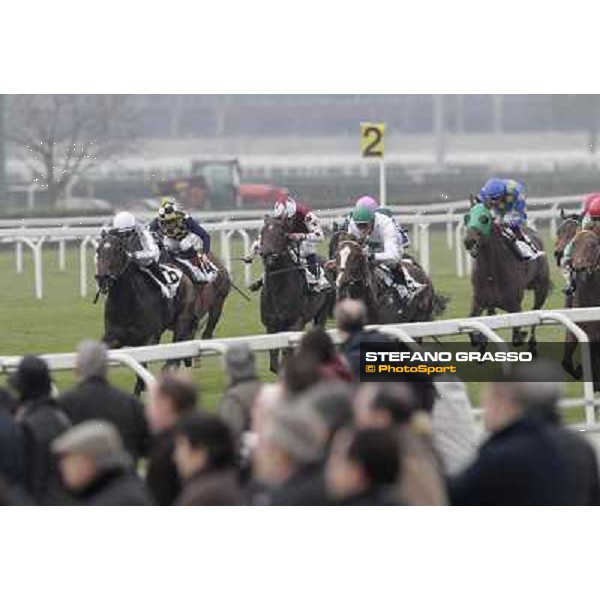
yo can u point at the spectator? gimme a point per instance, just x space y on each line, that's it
527 460
350 320
205 454
95 399
332 401
95 467
171 397
11 443
395 405
364 467
301 372
288 458
242 389
41 420
316 343
454 430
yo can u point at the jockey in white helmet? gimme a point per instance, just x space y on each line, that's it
142 246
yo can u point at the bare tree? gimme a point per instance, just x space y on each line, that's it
222 106
63 136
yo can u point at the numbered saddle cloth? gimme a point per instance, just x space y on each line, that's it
173 276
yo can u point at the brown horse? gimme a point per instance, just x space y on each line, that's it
286 303
357 278
566 231
585 262
137 314
499 278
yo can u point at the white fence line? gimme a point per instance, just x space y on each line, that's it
407 332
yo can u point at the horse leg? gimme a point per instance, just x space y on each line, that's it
569 352
477 339
214 314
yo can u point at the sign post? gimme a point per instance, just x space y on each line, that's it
372 145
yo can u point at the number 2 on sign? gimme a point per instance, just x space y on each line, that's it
372 140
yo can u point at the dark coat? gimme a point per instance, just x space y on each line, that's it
162 478
117 487
351 348
214 488
42 420
530 462
95 398
11 450
305 488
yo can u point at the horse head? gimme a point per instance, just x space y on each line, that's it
273 240
565 232
112 259
353 274
478 223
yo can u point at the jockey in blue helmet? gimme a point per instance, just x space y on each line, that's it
507 199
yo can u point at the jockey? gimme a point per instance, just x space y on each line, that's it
185 239
373 205
507 200
147 253
376 227
304 228
590 222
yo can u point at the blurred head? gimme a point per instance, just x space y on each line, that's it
350 316
318 344
240 363
203 443
530 390
92 360
171 397
384 405
32 379
332 401
301 372
362 460
86 451
292 438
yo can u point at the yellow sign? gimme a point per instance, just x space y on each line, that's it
371 140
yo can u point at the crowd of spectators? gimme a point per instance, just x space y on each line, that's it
315 436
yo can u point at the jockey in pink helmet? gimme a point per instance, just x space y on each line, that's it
368 202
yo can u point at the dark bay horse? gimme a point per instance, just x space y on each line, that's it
136 312
585 262
285 301
357 279
499 278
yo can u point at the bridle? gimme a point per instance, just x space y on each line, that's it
120 246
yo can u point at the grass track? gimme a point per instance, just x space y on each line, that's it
62 318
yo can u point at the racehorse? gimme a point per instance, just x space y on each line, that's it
585 263
499 278
286 304
566 231
137 314
358 279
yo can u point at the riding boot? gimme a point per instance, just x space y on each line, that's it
401 286
572 285
314 269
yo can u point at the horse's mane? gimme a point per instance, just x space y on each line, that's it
586 250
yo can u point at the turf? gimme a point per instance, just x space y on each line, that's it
62 318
